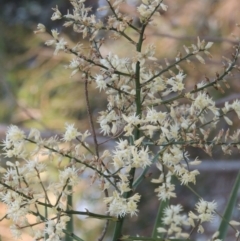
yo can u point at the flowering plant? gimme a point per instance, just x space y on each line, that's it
145 117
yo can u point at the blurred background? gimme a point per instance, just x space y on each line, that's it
37 91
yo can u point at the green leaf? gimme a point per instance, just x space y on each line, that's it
229 208
158 220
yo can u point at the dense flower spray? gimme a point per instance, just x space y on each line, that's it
145 117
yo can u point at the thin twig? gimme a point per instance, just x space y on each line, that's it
92 125
107 222
91 119
104 231
190 38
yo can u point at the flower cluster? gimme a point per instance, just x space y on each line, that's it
151 115
119 206
23 188
14 143
205 213
174 221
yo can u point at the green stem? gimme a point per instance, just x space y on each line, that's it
92 215
46 217
72 235
133 238
118 227
142 175
69 226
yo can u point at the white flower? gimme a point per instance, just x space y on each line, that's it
14 144
71 133
34 134
140 158
174 220
229 122
40 29
226 107
60 226
50 42
74 72
171 214
35 165
55 33
70 175
166 189
189 176
85 135
164 7
144 11
186 49
153 116
16 231
14 134
122 144
17 210
119 206
57 14
101 82
74 64
206 210
124 187
234 223
177 82
200 58
132 204
236 106
209 45
60 45
106 119
203 101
